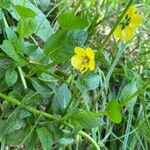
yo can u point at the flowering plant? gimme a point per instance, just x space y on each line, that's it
67 82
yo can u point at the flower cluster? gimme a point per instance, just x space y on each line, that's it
126 28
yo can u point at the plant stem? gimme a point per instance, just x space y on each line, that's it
101 47
85 135
3 144
91 140
18 50
28 108
22 78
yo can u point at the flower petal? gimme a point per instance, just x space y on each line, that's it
80 51
131 11
117 32
90 53
127 33
92 64
77 61
136 20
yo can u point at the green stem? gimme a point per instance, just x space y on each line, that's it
19 45
3 144
103 113
22 78
18 50
85 135
28 108
91 140
101 47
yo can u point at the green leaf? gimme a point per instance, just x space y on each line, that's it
61 99
3 86
4 3
70 21
29 48
60 46
16 137
11 35
42 89
25 12
11 77
31 141
46 137
47 78
5 63
127 91
92 81
26 27
85 119
10 125
43 27
57 132
9 49
113 111
66 141
37 55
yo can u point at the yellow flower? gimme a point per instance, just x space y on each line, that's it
83 59
126 28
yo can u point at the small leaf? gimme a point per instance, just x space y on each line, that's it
9 49
127 91
25 12
43 27
46 137
42 89
92 81
26 27
11 77
86 119
69 21
113 110
61 99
